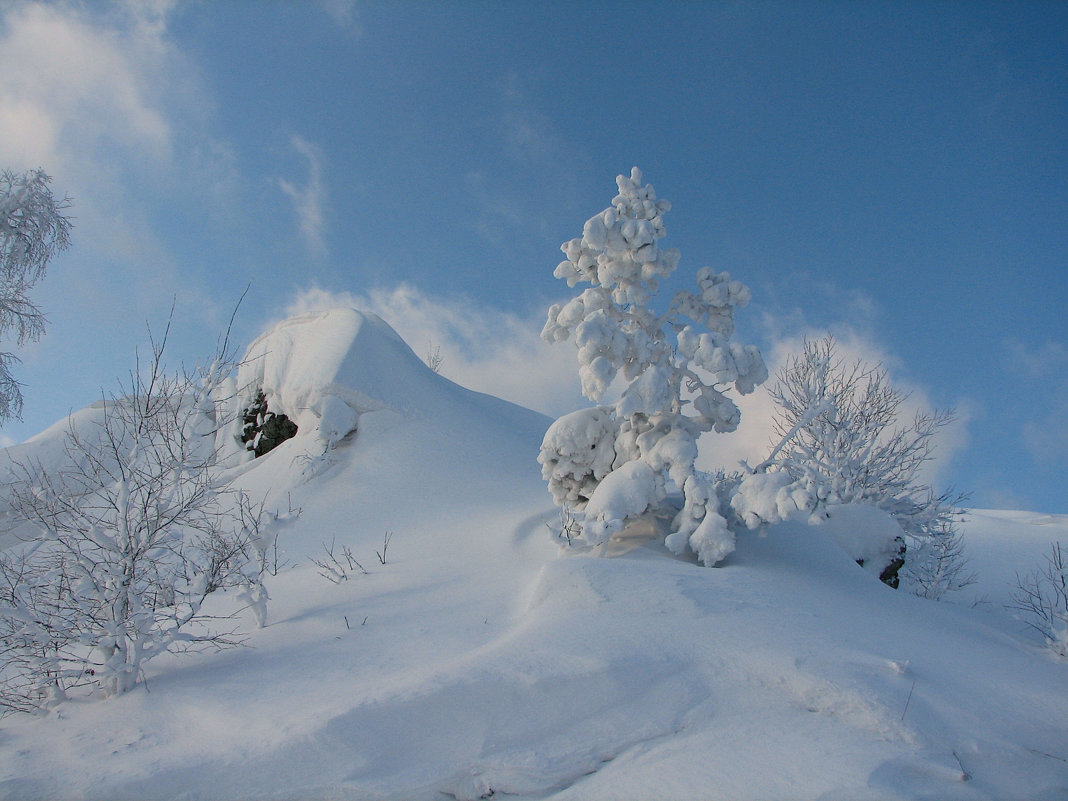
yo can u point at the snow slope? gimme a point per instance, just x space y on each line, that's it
481 660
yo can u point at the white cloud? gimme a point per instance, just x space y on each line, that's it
102 100
309 200
66 83
484 349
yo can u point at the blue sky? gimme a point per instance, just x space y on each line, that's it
893 173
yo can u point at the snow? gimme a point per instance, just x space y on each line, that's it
866 534
577 453
336 419
624 493
351 356
483 659
767 497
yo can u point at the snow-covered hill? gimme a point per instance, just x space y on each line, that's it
480 660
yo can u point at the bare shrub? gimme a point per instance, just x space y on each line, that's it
1042 599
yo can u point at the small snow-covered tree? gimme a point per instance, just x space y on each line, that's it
614 462
840 443
32 228
135 533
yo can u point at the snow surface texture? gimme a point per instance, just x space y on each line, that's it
480 659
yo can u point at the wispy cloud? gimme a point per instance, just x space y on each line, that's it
103 99
526 158
344 13
309 200
529 134
1045 369
1048 361
65 81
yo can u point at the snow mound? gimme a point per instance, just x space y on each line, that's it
327 370
323 369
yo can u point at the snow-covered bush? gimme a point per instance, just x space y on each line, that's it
614 462
136 532
841 444
1042 598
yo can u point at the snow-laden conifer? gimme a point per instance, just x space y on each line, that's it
620 460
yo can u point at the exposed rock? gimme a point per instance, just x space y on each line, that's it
263 430
889 574
871 537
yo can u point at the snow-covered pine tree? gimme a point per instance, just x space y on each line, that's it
614 462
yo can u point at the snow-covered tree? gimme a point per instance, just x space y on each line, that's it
1042 599
32 228
840 443
614 462
135 533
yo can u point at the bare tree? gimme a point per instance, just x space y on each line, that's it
1042 597
32 228
840 438
136 532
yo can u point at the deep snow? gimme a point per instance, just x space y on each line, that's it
481 659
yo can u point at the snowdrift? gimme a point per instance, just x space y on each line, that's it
477 659
345 354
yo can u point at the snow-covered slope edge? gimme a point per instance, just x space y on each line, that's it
478 660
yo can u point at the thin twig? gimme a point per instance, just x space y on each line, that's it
385 547
909 699
1050 756
965 775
